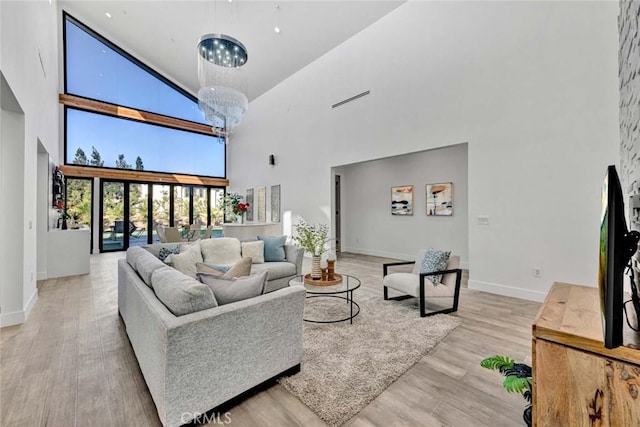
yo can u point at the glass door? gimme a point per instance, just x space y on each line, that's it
112 209
161 209
181 206
138 214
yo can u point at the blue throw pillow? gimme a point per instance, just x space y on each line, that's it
434 260
273 248
168 250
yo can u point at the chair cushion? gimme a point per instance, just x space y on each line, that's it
273 248
228 290
409 284
434 260
221 251
253 250
277 270
181 294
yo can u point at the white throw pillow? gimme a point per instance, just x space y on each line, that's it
221 251
254 250
185 262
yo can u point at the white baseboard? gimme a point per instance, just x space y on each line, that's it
42 275
18 317
383 254
30 304
494 288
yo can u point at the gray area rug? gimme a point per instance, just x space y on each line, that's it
347 366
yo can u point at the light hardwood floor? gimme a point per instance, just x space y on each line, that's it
71 364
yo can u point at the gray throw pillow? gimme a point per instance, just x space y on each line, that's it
181 294
435 260
228 290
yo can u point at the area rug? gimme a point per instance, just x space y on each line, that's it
346 366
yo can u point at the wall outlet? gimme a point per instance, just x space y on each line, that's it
537 272
483 220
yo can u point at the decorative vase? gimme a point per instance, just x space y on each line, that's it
316 271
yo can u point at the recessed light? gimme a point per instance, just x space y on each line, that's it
108 14
277 30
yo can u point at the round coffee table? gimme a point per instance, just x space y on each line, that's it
342 291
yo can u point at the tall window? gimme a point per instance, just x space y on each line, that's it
97 70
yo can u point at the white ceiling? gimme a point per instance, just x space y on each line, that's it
165 33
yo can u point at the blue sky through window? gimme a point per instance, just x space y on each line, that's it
95 70
161 149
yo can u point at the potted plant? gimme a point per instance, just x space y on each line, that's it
312 238
518 379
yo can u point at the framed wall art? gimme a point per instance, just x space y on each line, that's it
402 200
261 196
249 199
275 203
439 199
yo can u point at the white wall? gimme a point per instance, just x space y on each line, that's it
43 190
531 86
368 226
12 224
29 58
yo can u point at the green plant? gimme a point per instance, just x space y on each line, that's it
311 238
518 379
231 203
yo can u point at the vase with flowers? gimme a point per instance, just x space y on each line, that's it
312 238
234 207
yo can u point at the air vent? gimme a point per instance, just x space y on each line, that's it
353 98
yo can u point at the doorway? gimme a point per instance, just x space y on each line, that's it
337 218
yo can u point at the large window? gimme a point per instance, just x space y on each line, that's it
99 140
97 70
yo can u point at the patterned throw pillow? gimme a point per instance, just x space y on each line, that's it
435 260
168 250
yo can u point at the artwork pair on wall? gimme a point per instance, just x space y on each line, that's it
261 204
439 199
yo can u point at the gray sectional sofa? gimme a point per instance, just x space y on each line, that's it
205 359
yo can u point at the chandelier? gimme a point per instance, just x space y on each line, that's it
221 96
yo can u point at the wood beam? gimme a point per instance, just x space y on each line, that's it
136 175
133 114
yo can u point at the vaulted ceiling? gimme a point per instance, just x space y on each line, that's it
164 34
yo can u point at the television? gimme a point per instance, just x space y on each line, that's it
617 246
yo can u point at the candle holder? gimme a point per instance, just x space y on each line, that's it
331 272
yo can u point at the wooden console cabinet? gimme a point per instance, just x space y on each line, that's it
576 380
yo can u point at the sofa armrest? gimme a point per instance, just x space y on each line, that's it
294 254
219 353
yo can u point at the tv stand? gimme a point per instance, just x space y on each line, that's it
576 380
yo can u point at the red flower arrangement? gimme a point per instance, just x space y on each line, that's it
242 207
59 204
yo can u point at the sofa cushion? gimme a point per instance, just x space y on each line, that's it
253 250
146 265
273 248
221 251
181 294
187 259
164 252
277 270
133 253
228 290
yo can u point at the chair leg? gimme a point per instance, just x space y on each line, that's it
422 301
386 292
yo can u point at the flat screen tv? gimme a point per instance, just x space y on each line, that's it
617 245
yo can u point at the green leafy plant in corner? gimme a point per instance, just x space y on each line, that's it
518 379
311 238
